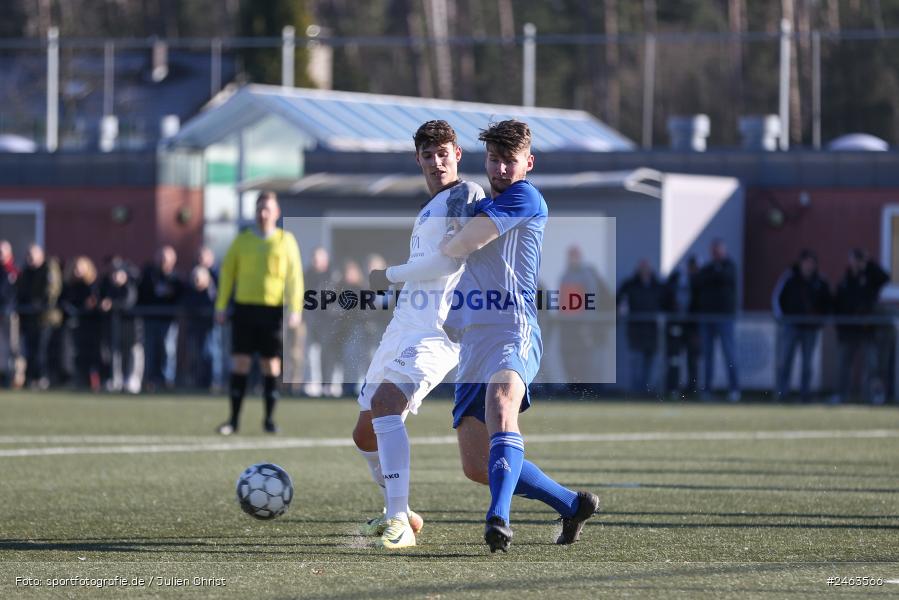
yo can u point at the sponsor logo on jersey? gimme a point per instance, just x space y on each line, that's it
424 217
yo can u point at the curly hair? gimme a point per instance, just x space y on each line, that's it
434 133
507 137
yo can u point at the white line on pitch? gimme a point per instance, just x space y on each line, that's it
108 439
283 443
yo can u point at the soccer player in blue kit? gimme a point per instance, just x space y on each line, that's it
496 326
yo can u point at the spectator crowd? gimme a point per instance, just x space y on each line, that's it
128 329
698 307
121 328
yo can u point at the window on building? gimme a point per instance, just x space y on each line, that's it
889 250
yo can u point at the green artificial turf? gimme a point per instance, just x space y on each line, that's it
139 487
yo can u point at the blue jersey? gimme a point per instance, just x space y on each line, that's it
499 284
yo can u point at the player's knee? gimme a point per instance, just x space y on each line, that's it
388 399
240 363
271 366
364 437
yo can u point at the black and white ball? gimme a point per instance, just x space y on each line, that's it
264 491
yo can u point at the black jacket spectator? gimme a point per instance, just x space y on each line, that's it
118 295
799 296
158 298
716 287
857 294
7 290
122 298
80 300
199 305
159 292
644 298
198 302
37 292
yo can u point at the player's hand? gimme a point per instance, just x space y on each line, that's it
377 280
293 320
220 317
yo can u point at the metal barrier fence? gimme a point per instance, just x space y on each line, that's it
658 355
840 358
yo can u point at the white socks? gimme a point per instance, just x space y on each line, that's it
374 467
393 450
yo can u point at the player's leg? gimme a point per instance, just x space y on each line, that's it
505 392
367 443
387 407
533 484
364 433
574 507
242 347
268 341
474 448
237 388
271 373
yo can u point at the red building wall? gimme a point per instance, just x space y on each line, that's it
80 220
832 222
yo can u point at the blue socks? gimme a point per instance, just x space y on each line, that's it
509 473
503 471
535 485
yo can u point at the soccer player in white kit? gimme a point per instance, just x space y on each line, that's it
415 353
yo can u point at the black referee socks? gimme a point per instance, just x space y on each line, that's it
271 393
237 390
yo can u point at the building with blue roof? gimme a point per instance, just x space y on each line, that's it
353 121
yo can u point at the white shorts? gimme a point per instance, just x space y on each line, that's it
413 360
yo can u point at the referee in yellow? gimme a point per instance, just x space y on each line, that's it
263 270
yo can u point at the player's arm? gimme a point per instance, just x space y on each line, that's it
424 269
477 233
294 285
226 282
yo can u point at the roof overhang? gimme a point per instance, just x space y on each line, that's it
647 182
353 121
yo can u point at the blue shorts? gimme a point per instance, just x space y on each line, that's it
486 350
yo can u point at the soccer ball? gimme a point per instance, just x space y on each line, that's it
264 491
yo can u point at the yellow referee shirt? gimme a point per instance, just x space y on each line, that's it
265 271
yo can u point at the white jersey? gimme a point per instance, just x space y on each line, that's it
425 304
414 353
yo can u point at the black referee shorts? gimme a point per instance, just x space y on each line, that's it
256 328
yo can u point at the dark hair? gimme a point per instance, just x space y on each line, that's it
434 133
507 137
806 254
266 195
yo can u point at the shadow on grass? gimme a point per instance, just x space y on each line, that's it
341 546
749 515
738 515
600 470
682 459
728 488
680 525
